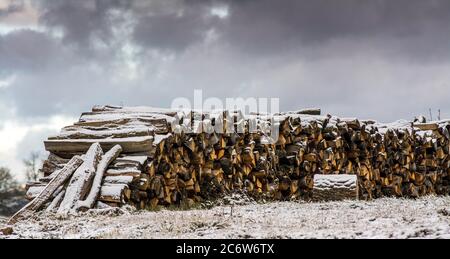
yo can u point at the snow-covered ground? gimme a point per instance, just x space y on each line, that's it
427 217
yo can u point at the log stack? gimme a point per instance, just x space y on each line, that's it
176 157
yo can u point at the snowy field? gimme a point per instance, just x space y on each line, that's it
384 218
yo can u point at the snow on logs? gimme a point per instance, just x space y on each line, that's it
105 161
331 187
69 147
75 187
45 195
165 160
81 180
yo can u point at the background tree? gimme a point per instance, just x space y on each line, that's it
32 167
7 182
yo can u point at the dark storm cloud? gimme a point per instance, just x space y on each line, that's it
163 25
81 21
412 28
271 27
293 45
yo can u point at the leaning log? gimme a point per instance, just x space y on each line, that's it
49 190
54 205
81 180
110 156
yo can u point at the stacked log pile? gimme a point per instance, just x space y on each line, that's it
173 157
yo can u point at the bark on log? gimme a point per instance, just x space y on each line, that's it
49 190
110 156
81 180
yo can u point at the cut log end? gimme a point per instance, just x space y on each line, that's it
335 187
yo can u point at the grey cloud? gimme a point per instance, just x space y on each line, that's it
272 27
76 89
27 50
308 53
175 27
171 32
82 22
262 28
162 25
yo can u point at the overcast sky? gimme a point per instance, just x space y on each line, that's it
379 59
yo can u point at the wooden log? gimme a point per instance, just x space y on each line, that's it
51 164
426 126
115 193
335 187
158 125
128 112
50 189
141 160
120 179
129 171
54 205
34 191
87 132
67 147
110 156
130 161
81 180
